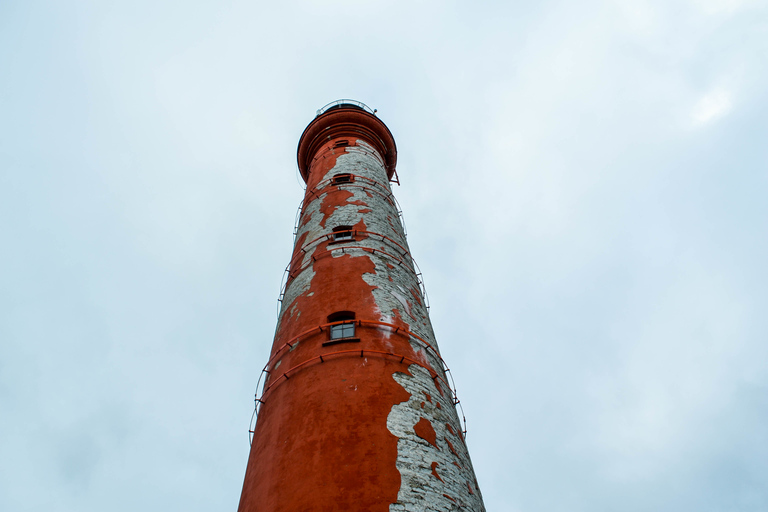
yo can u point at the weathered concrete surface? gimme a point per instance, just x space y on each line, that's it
367 423
431 454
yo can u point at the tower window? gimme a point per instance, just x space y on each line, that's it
341 144
345 330
342 233
341 331
340 179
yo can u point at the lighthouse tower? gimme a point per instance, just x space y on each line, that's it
356 411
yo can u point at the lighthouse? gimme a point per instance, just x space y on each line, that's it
356 410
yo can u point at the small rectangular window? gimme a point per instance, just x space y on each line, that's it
342 235
344 331
340 179
341 331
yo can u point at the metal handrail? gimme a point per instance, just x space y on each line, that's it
297 258
258 401
291 343
358 104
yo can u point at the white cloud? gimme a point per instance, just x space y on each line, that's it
721 7
711 107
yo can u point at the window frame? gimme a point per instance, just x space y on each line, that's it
343 234
342 178
344 331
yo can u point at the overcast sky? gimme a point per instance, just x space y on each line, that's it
584 186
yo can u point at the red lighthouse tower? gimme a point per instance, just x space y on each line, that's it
356 411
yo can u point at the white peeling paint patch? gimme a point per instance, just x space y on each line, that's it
387 333
386 319
420 489
402 300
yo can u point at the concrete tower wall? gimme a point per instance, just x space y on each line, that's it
367 421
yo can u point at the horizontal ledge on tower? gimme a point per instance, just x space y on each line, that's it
341 340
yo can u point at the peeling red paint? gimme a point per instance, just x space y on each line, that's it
425 431
416 294
397 319
360 226
450 447
331 201
326 160
439 388
434 471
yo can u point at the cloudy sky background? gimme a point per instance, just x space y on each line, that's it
584 186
